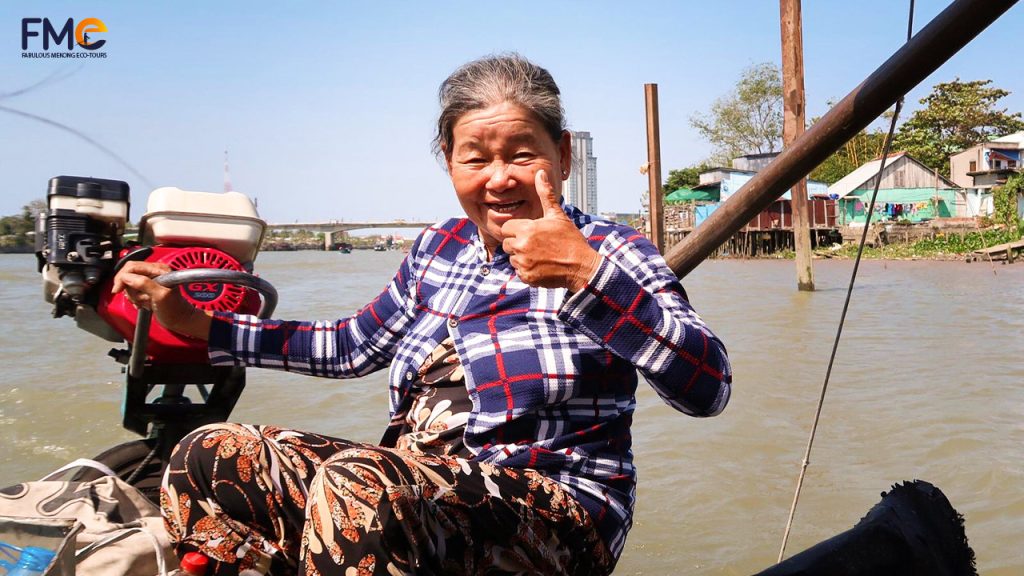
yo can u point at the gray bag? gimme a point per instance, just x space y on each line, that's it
56 534
120 532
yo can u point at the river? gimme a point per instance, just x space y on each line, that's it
928 383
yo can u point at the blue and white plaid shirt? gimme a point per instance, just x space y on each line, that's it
552 375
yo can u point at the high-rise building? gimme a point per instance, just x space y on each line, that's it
582 184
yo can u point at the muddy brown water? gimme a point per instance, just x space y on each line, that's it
928 383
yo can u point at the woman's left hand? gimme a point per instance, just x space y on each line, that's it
549 252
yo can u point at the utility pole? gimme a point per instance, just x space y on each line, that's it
227 174
794 104
656 205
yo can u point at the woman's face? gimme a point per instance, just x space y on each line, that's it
494 157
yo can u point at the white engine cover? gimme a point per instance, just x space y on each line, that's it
227 221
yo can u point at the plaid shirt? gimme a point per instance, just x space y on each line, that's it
551 375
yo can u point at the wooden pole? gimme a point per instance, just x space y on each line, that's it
794 104
656 205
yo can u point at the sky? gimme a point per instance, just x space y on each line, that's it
328 109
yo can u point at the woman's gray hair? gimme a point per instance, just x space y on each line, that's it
494 80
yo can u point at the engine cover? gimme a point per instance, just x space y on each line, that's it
166 347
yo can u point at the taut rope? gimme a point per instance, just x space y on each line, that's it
846 306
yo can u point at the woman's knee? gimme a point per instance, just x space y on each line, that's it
198 450
359 481
360 506
221 464
363 470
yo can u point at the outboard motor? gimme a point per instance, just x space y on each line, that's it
190 230
78 238
80 246
210 241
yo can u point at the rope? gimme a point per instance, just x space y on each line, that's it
981 236
79 463
145 462
81 135
846 307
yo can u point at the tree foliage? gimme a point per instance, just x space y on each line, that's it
1004 200
688 177
749 120
956 116
21 223
862 148
14 230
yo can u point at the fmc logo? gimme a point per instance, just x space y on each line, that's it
69 33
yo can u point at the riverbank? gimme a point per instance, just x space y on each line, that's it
846 252
896 242
938 246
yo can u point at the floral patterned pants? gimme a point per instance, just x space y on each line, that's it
283 502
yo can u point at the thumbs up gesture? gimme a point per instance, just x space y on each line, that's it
549 252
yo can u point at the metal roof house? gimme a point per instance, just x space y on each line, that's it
984 166
724 182
692 206
972 167
908 190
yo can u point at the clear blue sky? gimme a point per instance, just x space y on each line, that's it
328 108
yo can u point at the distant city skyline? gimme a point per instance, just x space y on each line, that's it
582 185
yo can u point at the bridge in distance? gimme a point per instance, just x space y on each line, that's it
331 227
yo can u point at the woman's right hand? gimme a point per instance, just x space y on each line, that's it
171 310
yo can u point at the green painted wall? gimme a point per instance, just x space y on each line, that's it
921 203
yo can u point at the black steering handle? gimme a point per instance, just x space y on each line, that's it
137 361
266 290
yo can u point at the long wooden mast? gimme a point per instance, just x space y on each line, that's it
656 208
794 104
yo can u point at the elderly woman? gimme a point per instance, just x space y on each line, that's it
513 335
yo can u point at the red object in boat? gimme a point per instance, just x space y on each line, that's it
169 347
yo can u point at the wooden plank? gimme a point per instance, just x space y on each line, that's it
1000 248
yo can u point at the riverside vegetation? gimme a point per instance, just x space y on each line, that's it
943 246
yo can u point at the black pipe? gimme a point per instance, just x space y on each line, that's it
912 531
137 360
266 290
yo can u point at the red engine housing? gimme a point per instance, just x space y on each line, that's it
165 346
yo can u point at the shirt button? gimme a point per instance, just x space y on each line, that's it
453 322
485 270
408 375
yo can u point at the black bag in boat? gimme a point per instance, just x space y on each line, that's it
912 531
